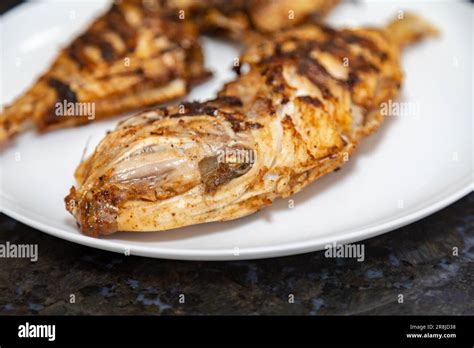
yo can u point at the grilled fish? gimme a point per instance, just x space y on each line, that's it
309 96
140 53
130 57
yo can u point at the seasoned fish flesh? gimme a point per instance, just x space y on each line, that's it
308 97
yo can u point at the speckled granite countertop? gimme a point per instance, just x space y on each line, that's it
416 262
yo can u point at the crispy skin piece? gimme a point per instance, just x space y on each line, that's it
297 114
128 58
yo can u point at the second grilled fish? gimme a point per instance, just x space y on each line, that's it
130 57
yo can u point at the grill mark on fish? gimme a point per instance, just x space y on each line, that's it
63 90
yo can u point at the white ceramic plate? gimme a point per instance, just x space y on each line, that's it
419 162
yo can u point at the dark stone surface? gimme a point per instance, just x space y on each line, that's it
416 261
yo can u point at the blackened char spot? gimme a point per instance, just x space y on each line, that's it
195 109
76 54
113 21
239 124
164 110
352 79
272 74
63 91
255 125
106 50
336 48
278 88
339 48
90 38
229 100
311 100
96 212
352 38
236 69
117 23
278 50
328 30
235 122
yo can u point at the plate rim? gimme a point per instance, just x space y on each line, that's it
253 253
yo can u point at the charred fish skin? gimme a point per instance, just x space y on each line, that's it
130 57
298 113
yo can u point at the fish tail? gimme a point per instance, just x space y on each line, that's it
407 28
